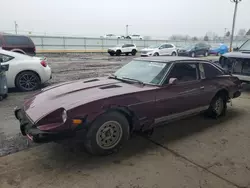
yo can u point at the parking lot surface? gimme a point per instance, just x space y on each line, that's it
195 152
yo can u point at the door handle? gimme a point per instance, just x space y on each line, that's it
202 87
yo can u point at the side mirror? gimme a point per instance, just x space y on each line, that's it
236 49
173 81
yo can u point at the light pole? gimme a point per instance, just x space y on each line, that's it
234 18
127 30
16 27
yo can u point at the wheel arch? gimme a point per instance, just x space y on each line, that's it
223 91
18 51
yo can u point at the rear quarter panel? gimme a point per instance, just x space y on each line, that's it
16 66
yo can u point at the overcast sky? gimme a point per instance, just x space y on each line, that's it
145 17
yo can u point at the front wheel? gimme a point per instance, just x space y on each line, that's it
193 54
206 54
107 134
133 52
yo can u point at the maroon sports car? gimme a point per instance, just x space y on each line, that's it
143 94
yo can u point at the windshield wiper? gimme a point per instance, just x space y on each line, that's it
133 80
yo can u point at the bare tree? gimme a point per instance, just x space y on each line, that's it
206 38
228 34
241 32
194 38
248 33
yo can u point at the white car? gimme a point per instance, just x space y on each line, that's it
135 37
162 49
112 36
123 49
24 72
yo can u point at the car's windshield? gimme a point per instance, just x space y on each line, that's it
245 46
154 46
189 47
144 71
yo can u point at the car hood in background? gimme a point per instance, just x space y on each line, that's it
114 48
238 55
148 49
72 94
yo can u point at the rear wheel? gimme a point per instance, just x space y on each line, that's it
174 54
27 81
133 52
107 134
218 106
111 54
156 54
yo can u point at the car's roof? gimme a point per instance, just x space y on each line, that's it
165 59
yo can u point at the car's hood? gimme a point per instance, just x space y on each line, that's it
71 94
114 48
149 49
238 54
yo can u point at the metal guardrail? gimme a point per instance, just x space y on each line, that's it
82 44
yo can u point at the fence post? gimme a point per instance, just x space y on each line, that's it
42 41
85 44
64 44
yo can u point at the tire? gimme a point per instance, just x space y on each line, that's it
206 54
27 81
193 54
96 141
111 54
174 54
218 106
156 54
118 53
133 52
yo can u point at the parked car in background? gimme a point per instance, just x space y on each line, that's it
112 36
123 49
24 72
143 94
159 49
238 62
194 49
218 49
139 37
17 43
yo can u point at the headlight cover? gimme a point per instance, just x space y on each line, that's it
64 116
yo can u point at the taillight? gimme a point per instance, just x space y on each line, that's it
43 63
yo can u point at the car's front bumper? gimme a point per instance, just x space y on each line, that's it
146 54
29 129
183 53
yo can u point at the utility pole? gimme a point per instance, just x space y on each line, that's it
234 18
16 27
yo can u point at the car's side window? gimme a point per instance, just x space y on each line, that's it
163 46
184 72
211 71
169 46
5 58
125 46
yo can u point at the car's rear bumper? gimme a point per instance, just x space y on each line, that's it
29 129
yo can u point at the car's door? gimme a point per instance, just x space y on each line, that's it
182 98
126 48
163 49
198 49
169 49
